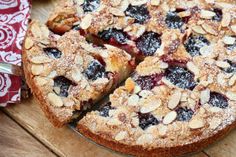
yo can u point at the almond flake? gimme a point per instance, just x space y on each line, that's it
215 109
222 64
40 81
151 106
214 123
37 69
124 5
133 100
40 59
115 2
193 68
206 14
121 135
137 89
86 21
55 100
145 93
114 122
145 139
79 2
224 5
226 19
163 65
231 95
208 28
162 129
116 12
76 75
28 43
205 96
52 74
155 2
170 117
174 99
196 124
79 60
206 51
129 85
232 80
233 27
184 13
229 40
137 2
198 29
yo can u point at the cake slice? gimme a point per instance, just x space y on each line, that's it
67 74
165 109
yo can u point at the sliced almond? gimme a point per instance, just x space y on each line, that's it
205 96
233 27
137 2
226 19
114 122
40 81
232 80
229 40
37 69
163 65
198 29
116 12
86 21
209 29
137 89
79 60
121 135
28 43
184 13
224 5
79 2
40 59
196 123
151 106
133 100
76 75
214 123
206 51
231 95
155 2
129 85
206 14
222 64
145 93
162 129
174 99
215 109
145 139
55 100
170 117
193 68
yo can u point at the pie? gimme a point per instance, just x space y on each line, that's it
180 98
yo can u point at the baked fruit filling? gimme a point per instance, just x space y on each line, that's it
69 73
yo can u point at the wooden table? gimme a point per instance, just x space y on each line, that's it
24 130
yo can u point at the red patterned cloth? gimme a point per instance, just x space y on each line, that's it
14 15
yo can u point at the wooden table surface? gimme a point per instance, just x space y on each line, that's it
24 130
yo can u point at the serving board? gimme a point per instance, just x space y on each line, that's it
65 141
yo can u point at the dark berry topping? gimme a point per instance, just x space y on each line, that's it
148 43
76 27
218 100
194 44
139 13
95 70
231 47
232 68
184 114
90 5
173 20
64 85
148 82
146 120
180 77
218 16
52 52
104 111
113 33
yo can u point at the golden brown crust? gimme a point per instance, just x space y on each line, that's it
157 152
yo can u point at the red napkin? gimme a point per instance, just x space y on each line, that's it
14 16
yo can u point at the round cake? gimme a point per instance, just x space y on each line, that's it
180 98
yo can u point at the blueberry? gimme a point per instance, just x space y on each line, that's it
139 13
90 5
180 77
233 46
184 114
218 100
52 52
173 20
148 43
232 68
76 27
119 36
218 16
104 111
63 84
146 120
95 70
194 44
148 82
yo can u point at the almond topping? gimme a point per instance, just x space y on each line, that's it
193 68
196 124
40 81
222 64
231 95
121 135
55 100
76 75
28 43
151 106
232 80
116 12
170 117
229 40
133 100
198 29
174 99
145 139
208 28
205 96
233 27
155 2
129 85
137 2
145 93
37 69
40 59
214 123
226 19
86 21
205 14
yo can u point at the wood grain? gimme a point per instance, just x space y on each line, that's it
16 142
